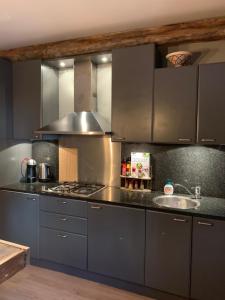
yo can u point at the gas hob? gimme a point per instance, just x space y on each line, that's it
75 189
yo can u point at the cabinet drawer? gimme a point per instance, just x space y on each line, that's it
63 222
65 206
64 248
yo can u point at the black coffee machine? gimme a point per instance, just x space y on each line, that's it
31 170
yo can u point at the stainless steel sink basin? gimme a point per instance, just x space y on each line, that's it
176 201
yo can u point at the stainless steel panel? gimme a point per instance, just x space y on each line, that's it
98 159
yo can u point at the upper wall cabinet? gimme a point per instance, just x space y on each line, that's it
35 97
26 98
132 93
175 105
211 107
5 99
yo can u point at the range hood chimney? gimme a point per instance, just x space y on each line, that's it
84 120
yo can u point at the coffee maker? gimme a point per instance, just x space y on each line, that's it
31 170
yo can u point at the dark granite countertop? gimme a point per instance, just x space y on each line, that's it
209 207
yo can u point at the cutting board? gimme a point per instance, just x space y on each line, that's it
13 258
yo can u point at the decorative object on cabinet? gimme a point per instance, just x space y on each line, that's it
139 176
179 58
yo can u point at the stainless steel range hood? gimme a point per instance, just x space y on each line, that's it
80 123
84 120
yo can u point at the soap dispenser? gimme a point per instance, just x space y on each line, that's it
168 187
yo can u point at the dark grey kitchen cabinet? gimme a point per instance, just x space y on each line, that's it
132 93
5 99
211 105
19 219
26 98
116 241
63 247
208 260
63 231
168 252
175 105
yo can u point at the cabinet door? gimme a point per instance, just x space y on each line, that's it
168 252
63 247
116 242
208 260
211 110
26 98
18 219
132 93
175 105
5 99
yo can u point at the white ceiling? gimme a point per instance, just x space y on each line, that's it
26 22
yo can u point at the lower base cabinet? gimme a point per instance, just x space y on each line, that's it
19 219
64 248
168 252
208 260
116 242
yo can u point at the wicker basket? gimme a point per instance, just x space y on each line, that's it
179 58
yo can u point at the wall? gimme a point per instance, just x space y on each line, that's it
47 151
11 155
66 92
104 88
188 165
207 52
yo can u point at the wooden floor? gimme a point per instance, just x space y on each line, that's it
35 283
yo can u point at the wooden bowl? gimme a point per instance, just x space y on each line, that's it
179 58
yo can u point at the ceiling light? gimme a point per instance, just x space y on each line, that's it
104 59
62 64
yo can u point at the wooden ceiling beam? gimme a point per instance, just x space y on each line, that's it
196 31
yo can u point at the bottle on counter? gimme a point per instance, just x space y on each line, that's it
128 166
124 167
168 187
130 186
142 186
136 185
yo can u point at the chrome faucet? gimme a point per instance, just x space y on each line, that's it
197 190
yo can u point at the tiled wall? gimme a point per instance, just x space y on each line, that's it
11 155
188 165
47 151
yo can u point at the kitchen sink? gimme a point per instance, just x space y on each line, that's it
176 201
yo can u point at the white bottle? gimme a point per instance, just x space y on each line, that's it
168 187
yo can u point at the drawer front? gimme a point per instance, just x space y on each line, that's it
65 206
63 222
64 248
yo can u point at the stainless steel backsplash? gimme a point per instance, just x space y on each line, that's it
98 158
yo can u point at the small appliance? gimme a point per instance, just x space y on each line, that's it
44 173
31 170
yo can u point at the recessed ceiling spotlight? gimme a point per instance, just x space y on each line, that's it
104 59
62 64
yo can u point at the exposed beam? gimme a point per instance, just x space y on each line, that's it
196 31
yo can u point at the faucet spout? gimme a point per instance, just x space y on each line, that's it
197 189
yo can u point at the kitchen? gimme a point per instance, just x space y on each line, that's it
94 131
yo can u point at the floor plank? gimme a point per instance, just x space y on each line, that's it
34 283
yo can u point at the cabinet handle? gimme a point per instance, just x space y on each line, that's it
33 199
119 138
208 140
63 202
62 236
96 207
184 140
205 223
180 220
63 219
